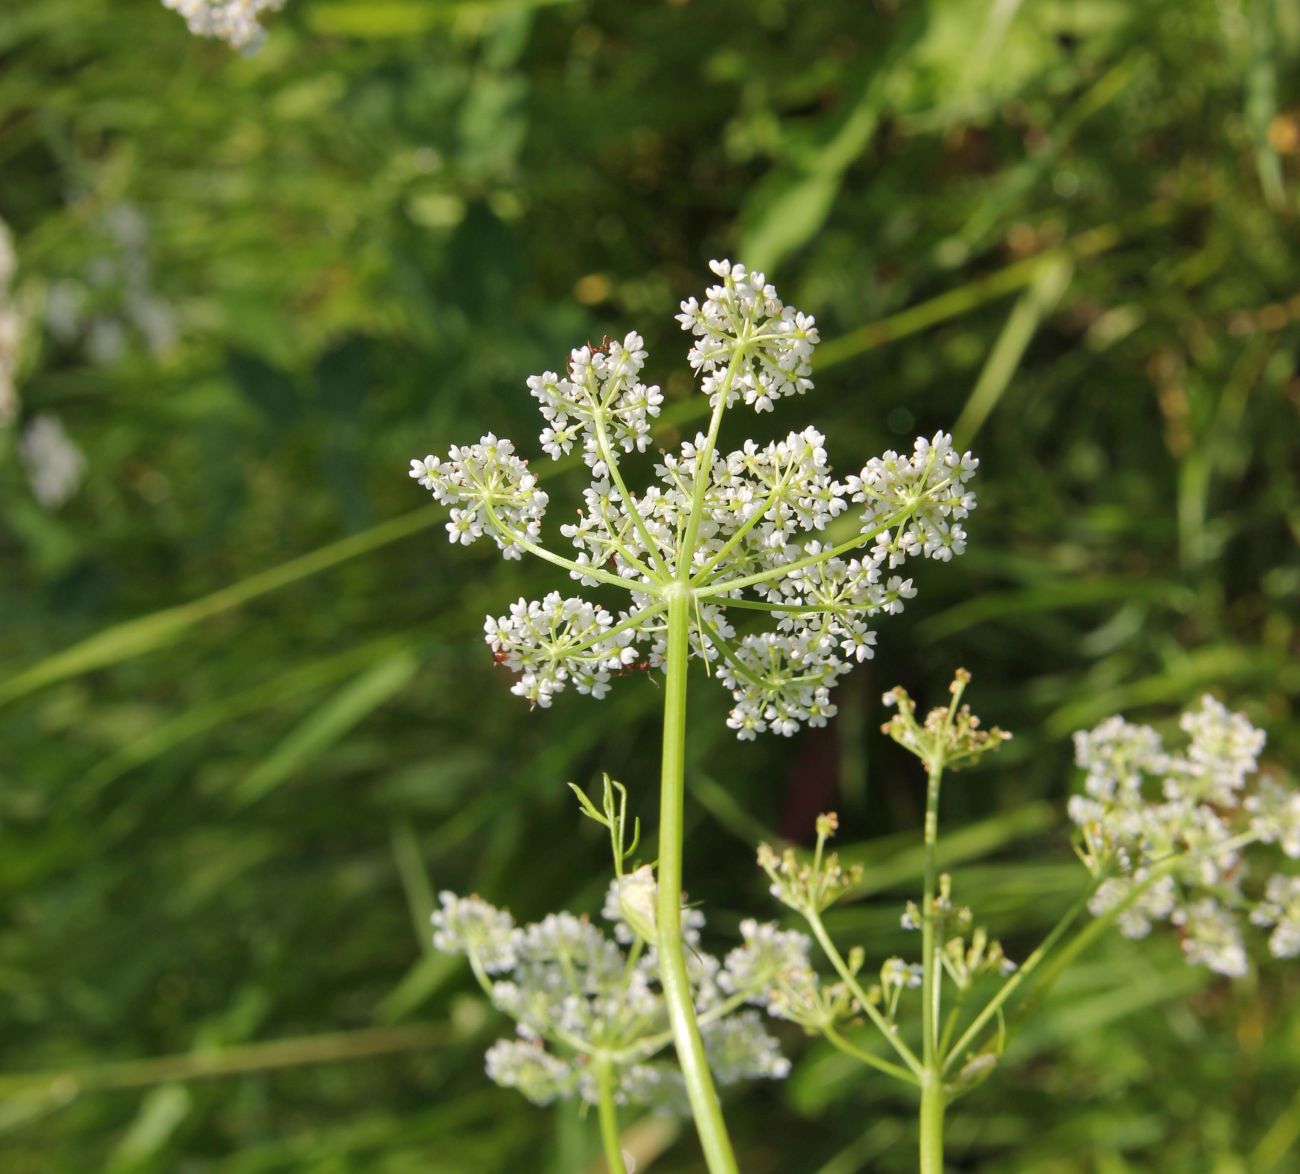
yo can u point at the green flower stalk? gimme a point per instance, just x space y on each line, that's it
722 538
1162 833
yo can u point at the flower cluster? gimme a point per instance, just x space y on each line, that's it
809 886
747 343
558 642
1163 831
1280 909
577 997
600 403
774 968
488 490
232 21
751 530
949 737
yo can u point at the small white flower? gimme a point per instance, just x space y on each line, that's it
1276 815
529 1067
1212 938
740 1048
770 957
1280 909
469 925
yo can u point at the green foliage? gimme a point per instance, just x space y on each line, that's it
1068 228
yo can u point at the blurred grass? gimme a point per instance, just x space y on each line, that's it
249 725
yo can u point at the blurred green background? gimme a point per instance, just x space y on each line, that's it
249 725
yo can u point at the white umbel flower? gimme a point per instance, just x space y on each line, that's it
748 345
237 22
469 925
489 490
1280 909
746 529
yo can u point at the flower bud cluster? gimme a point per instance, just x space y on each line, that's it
964 959
807 886
1163 831
746 529
950 736
232 21
577 997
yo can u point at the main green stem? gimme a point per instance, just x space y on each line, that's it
933 1100
933 1103
608 1117
672 956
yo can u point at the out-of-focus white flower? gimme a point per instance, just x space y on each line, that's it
234 21
1280 909
770 958
1275 811
740 1048
1166 830
1212 937
529 1067
54 463
575 995
469 925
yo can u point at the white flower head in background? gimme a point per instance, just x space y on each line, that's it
577 997
234 21
54 463
1164 831
764 530
111 304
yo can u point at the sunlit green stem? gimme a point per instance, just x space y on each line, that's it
887 1029
933 1099
872 1061
931 990
672 957
1017 980
933 1103
629 502
608 1117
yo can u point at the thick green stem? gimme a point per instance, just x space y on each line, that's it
930 945
608 1117
933 1103
672 957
